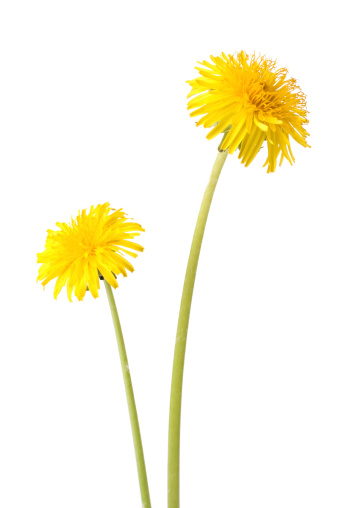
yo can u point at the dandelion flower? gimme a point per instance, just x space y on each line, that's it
249 101
252 100
93 244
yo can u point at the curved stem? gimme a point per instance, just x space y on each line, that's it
180 346
137 441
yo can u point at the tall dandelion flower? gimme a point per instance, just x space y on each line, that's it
92 247
248 101
254 101
92 244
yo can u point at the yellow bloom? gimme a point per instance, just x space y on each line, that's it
253 101
92 244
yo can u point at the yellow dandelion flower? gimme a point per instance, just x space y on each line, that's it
246 96
93 244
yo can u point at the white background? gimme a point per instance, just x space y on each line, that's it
93 109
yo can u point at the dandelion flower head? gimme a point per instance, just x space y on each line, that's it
93 244
247 97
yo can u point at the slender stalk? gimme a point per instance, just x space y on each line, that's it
137 441
180 346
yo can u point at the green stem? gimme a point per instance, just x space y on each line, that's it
137 441
180 346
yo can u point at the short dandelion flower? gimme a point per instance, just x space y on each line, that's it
78 254
252 100
92 245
